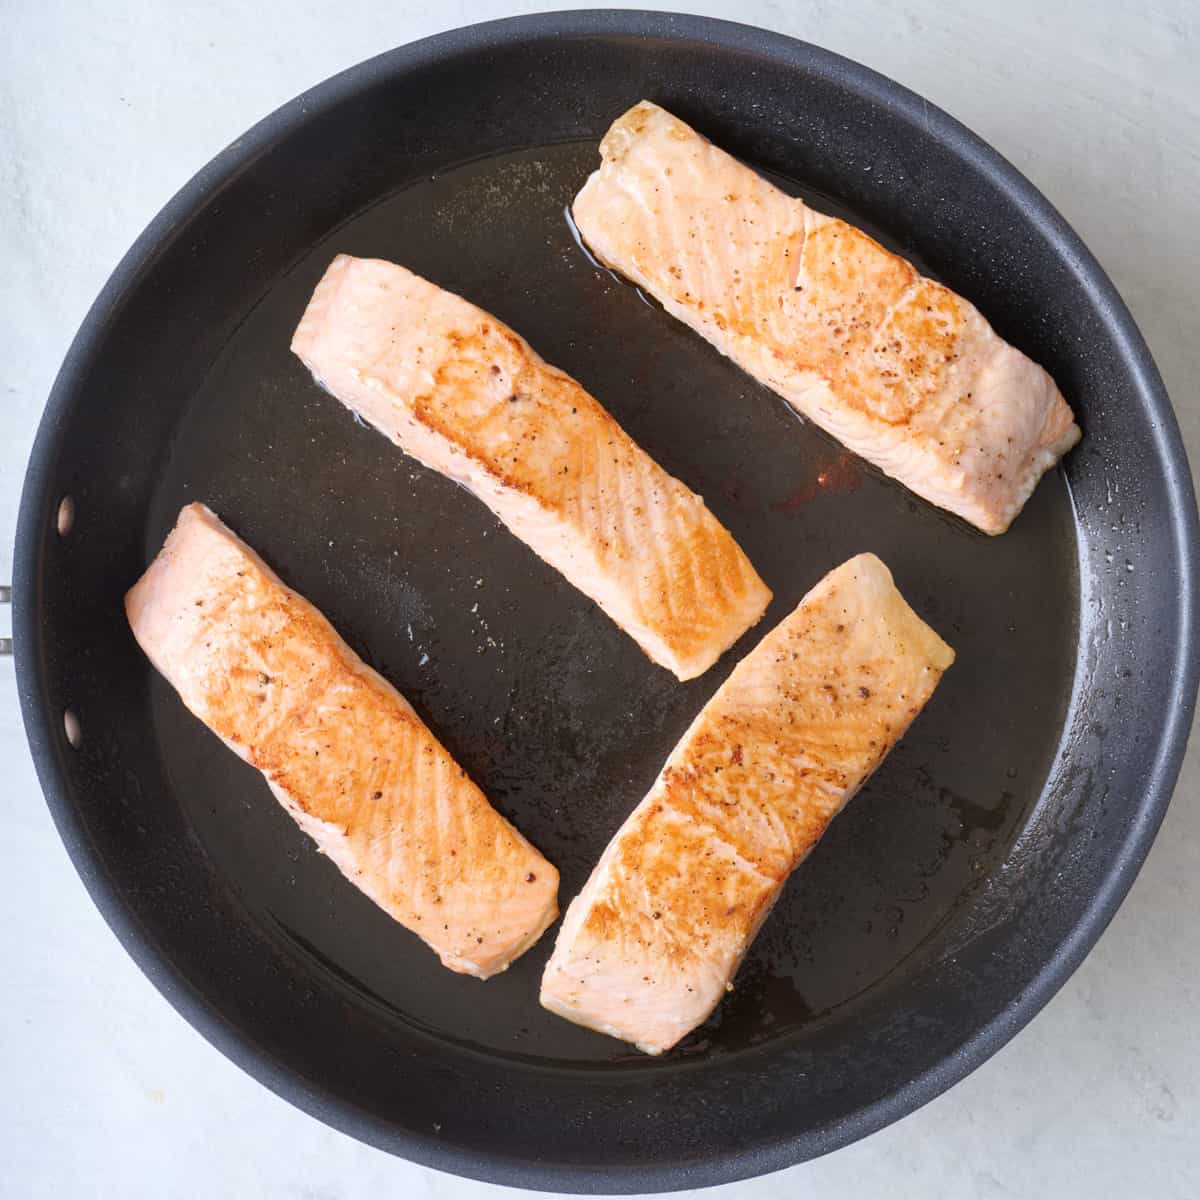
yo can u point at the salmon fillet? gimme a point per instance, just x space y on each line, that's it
895 366
646 950
341 749
466 396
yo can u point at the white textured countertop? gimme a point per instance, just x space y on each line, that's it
105 110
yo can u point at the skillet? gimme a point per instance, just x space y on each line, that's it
949 901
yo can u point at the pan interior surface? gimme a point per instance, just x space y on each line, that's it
944 905
547 704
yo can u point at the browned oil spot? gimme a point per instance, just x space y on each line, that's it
841 476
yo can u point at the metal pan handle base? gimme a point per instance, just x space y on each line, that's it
6 646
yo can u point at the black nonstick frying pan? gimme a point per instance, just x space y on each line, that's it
948 902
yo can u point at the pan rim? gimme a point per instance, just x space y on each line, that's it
35 688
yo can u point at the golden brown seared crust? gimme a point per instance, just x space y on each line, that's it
469 397
896 366
647 948
510 430
345 753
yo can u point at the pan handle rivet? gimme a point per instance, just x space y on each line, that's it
66 515
72 728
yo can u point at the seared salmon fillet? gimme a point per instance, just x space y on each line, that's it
897 367
646 950
341 749
468 397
